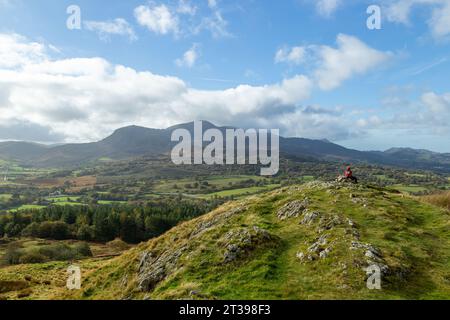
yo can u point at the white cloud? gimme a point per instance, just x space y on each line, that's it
182 19
294 55
351 57
185 7
189 57
327 7
438 105
16 51
399 11
158 19
86 99
332 66
216 24
440 21
105 29
212 4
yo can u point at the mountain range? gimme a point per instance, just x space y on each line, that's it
133 141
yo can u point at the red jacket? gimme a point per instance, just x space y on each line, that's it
348 173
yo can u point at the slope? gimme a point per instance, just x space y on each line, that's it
303 242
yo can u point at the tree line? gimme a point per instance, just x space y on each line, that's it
132 224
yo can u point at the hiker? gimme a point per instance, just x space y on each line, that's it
349 175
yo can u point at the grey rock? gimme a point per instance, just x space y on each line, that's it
154 268
325 253
238 242
310 217
300 256
293 209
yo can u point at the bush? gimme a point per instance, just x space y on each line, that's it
57 230
82 250
118 244
85 233
12 255
31 230
32 257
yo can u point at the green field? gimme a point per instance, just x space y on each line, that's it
215 182
409 189
110 202
240 192
63 199
27 207
383 177
5 197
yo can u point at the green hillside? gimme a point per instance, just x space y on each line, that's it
301 242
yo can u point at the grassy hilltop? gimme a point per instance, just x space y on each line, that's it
300 242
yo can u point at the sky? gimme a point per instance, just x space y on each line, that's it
311 68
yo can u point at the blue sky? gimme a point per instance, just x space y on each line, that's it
311 68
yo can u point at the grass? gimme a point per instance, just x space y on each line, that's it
5 197
383 177
441 199
110 202
220 182
65 201
239 193
27 207
414 238
409 188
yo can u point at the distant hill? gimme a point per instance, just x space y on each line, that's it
134 141
313 241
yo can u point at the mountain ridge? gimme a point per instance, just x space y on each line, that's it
136 141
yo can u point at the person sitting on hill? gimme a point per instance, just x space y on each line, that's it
348 174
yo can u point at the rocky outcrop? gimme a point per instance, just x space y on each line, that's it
208 224
155 267
310 217
293 209
241 241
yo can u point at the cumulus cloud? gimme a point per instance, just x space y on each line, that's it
157 18
351 57
105 29
85 99
437 105
399 11
427 115
14 51
294 55
189 57
440 21
333 65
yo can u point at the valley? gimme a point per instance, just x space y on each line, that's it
105 214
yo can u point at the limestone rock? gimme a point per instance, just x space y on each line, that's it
293 209
238 242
